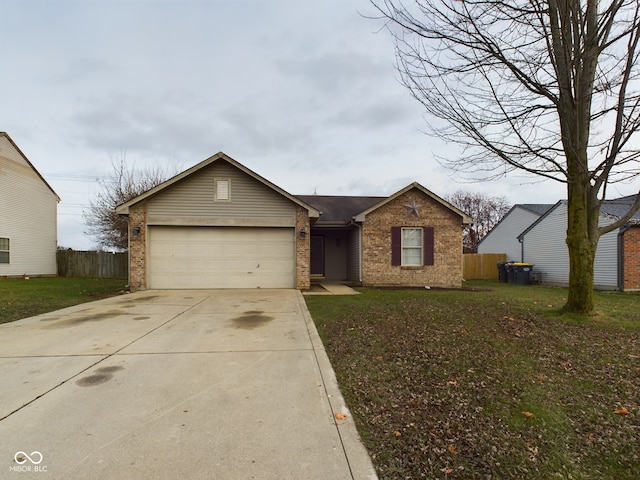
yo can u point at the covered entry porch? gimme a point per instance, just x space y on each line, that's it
335 254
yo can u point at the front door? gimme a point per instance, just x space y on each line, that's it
317 255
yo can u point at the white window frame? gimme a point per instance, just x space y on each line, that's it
7 250
406 248
222 190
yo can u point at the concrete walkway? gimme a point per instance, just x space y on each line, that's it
223 384
332 288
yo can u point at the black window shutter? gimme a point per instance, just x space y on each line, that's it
428 245
396 245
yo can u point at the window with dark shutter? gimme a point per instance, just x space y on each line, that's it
428 246
412 251
396 246
412 246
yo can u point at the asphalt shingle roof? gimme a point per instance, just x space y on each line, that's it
618 207
339 209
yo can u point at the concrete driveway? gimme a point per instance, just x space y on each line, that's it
222 384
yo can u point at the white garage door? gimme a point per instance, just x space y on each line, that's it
221 257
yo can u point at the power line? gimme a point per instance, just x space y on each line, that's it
70 177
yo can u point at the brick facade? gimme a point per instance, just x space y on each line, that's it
303 249
631 249
138 247
376 243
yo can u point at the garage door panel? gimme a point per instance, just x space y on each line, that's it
208 257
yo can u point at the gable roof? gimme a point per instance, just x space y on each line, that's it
123 209
615 209
540 218
618 207
538 209
338 210
13 144
466 219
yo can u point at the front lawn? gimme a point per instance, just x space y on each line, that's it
488 383
20 298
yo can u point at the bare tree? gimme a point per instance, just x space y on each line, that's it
124 183
486 212
546 87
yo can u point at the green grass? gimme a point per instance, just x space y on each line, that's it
438 381
20 298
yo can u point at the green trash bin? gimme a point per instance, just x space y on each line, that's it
522 273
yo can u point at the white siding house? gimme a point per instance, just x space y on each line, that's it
28 211
544 245
503 238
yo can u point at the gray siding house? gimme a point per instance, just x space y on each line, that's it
503 238
543 244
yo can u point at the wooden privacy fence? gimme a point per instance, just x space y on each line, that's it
481 266
72 263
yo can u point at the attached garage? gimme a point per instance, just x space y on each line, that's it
218 225
221 257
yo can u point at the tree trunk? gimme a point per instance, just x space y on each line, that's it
582 242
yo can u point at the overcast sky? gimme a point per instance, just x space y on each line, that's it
303 92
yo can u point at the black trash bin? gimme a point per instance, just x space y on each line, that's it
511 273
502 272
522 273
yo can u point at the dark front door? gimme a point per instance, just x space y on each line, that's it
317 255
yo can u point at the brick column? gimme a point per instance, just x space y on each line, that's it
631 249
303 250
138 247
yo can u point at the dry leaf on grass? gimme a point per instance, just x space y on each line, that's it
621 411
528 414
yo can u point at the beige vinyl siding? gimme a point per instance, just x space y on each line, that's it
28 210
10 153
192 201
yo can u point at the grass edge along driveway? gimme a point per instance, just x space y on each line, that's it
22 298
490 382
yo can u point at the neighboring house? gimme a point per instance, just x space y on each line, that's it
221 225
617 261
28 216
503 238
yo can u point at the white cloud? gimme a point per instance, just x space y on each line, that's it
301 91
